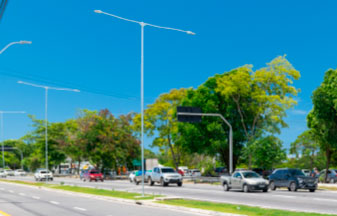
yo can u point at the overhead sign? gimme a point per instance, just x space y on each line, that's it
185 114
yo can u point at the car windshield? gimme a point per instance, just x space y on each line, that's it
296 172
94 172
44 171
251 175
167 170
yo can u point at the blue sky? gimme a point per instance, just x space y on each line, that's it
76 48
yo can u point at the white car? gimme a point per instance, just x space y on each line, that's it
3 174
20 172
9 172
195 172
43 174
132 176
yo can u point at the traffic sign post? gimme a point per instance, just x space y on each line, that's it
194 114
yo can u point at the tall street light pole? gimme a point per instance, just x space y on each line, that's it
2 132
46 110
142 25
12 43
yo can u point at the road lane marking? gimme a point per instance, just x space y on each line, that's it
322 199
22 194
4 213
35 197
284 196
78 208
54 202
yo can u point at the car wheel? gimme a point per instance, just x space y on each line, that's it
162 183
83 179
166 184
136 182
180 184
265 190
131 180
272 186
245 188
225 187
150 182
293 187
312 190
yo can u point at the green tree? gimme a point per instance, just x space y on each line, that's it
306 147
268 152
56 132
262 96
323 117
254 102
160 117
108 140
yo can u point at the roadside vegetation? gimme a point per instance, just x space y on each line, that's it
236 209
254 101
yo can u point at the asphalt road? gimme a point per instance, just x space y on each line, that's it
320 201
20 200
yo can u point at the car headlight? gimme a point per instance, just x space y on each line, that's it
300 180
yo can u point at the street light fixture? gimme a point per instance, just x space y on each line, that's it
143 24
46 109
2 131
12 43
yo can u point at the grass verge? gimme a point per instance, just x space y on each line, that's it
235 209
93 191
327 188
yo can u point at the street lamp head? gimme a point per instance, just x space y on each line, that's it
190 33
98 11
25 42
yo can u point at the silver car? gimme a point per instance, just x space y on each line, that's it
245 180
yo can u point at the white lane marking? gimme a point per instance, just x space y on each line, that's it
284 196
78 208
22 194
11 191
35 197
322 199
54 202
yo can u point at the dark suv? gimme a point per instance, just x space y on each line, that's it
293 179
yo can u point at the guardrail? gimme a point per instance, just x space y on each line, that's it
202 179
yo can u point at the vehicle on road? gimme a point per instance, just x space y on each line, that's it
332 176
164 176
82 173
195 173
292 179
93 175
138 176
132 176
245 180
3 174
9 172
20 172
306 172
43 174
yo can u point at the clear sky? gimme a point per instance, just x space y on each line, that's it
76 48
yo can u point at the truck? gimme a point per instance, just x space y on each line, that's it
245 180
164 176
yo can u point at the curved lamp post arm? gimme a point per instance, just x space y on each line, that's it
12 43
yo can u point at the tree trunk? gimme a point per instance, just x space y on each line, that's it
79 166
328 157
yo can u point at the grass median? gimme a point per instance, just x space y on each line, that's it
92 191
236 209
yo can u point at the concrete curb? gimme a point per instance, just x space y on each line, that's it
149 203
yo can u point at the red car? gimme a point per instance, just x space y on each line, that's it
93 175
181 172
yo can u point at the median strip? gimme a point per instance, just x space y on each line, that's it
235 209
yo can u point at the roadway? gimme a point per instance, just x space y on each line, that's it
321 201
19 200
